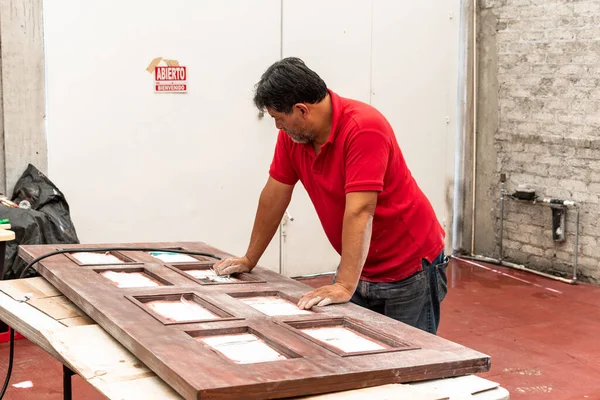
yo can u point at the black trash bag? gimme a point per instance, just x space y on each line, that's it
48 221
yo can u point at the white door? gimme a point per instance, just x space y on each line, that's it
334 39
414 70
139 166
402 58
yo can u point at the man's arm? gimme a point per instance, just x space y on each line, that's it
274 200
356 238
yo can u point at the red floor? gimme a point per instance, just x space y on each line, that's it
542 336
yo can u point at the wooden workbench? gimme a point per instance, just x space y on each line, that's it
43 315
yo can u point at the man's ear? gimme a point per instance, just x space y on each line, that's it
302 108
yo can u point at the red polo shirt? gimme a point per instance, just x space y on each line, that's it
362 154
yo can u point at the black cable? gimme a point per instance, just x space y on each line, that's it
106 249
79 250
10 361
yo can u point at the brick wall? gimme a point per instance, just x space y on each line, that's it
548 128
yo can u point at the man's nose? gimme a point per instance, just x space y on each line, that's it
278 125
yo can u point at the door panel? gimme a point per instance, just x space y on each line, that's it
140 166
334 39
415 50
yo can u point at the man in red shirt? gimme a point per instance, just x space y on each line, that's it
346 156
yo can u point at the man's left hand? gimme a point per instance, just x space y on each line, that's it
323 296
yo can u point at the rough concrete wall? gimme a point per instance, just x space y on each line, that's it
2 158
462 194
22 90
545 55
487 178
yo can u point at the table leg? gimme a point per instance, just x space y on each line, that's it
2 257
67 388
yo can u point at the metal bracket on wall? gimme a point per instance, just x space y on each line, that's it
283 227
559 210
562 205
558 223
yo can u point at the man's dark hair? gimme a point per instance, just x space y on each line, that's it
288 82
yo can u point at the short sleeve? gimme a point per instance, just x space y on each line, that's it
367 156
282 169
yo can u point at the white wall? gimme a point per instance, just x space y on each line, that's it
139 166
337 45
414 81
401 57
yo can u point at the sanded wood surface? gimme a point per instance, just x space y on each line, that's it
179 354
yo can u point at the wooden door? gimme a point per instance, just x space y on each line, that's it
243 336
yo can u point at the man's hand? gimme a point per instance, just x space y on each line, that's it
230 266
325 295
356 239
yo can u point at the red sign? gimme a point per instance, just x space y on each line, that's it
170 79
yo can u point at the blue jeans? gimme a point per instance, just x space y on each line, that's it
414 300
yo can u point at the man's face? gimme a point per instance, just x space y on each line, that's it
295 124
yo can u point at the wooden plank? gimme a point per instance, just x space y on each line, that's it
150 388
58 307
77 321
456 386
179 352
385 392
30 322
40 287
22 123
6 235
494 394
97 361
30 288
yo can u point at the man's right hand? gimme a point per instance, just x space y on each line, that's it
232 265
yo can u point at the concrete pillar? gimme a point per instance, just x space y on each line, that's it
22 90
484 95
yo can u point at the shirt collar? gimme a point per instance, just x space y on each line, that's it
336 114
